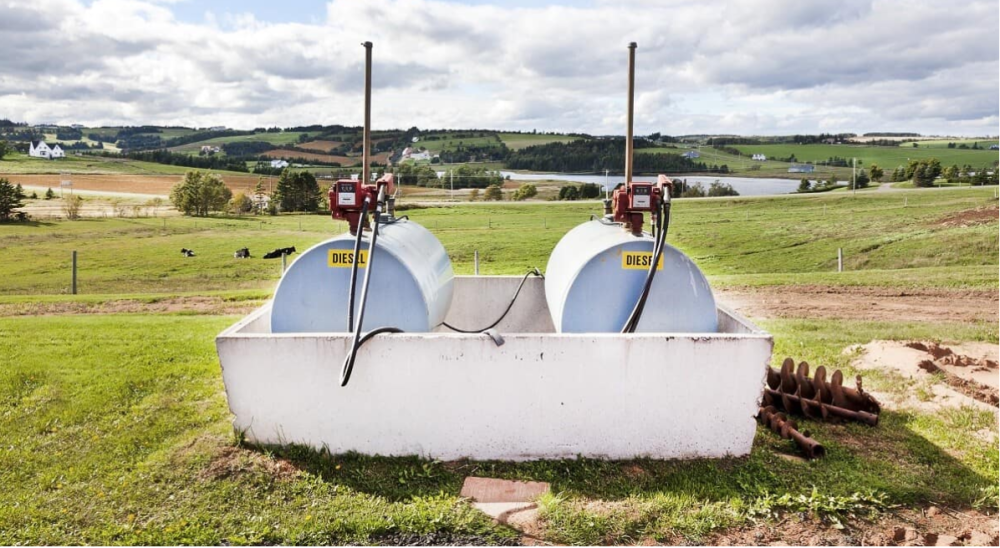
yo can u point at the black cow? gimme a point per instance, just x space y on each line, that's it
242 253
187 252
277 253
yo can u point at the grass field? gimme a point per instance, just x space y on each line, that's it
17 163
885 157
283 138
734 241
516 141
116 430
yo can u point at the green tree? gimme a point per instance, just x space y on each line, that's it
241 204
72 205
805 185
876 173
861 179
493 193
694 191
297 191
474 195
5 149
569 192
49 194
200 193
525 191
923 172
950 173
721 189
10 199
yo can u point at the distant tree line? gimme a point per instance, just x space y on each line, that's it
594 156
890 134
176 159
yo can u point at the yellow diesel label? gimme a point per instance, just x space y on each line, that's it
639 260
343 258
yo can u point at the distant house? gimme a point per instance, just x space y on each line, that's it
40 149
994 147
279 164
802 168
425 155
217 128
759 157
208 149
691 154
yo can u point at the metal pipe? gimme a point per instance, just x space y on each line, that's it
837 411
631 105
366 172
780 424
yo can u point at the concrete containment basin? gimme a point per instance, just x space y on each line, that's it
537 395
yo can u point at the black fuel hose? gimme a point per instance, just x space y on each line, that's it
510 305
663 223
348 367
354 266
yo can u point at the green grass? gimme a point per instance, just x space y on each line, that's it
15 164
517 141
743 166
449 141
742 241
885 157
116 431
943 143
283 138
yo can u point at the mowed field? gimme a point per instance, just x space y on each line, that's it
516 141
116 429
885 157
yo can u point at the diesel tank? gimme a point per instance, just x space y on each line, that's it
595 277
410 286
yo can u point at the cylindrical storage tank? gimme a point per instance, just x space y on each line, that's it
596 273
411 284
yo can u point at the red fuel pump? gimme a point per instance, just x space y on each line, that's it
633 199
347 199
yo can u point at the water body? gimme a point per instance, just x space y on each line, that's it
744 185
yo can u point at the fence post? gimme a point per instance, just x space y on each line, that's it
840 259
906 201
284 262
476 259
74 272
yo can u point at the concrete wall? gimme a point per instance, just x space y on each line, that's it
539 395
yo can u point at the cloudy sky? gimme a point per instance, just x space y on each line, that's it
704 66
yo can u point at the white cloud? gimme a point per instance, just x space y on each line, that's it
775 66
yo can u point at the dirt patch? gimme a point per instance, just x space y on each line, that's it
320 146
234 461
940 381
920 527
190 305
970 217
863 303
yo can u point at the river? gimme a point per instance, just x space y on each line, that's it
744 185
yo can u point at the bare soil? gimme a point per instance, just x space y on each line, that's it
863 303
931 526
970 217
960 375
319 146
342 160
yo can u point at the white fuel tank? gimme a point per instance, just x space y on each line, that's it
596 273
411 286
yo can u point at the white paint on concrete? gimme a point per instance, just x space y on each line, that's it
539 395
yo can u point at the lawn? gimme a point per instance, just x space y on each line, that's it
740 241
116 431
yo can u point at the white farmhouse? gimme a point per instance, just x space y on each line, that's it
759 157
279 164
39 149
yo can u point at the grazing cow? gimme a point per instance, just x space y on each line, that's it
242 253
277 253
187 252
